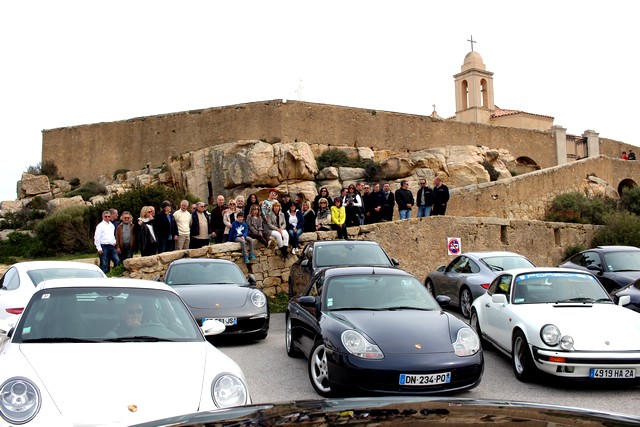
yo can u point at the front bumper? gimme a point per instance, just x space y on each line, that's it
383 376
578 364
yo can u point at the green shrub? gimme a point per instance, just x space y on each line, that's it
37 203
336 157
46 167
74 183
573 249
134 200
20 245
630 199
621 228
66 231
373 170
116 271
24 219
279 302
577 208
88 190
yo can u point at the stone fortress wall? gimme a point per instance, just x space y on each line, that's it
88 151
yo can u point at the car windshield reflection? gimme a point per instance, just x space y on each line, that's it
103 315
558 288
204 273
350 255
623 260
500 263
377 292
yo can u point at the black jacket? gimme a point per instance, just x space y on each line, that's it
428 197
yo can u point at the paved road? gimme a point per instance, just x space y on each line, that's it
275 377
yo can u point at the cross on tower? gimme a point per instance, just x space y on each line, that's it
472 42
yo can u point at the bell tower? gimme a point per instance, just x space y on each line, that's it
474 90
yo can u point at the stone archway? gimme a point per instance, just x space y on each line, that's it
626 184
525 164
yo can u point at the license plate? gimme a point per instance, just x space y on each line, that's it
612 373
227 321
427 379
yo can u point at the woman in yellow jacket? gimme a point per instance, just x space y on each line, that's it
339 218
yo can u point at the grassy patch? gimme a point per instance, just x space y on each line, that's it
278 303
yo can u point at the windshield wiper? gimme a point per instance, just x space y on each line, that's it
142 338
579 299
357 308
495 267
58 339
407 307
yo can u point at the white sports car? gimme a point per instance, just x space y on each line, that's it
20 280
561 322
111 352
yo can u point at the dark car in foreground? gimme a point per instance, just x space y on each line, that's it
217 289
334 253
378 330
468 276
404 411
614 266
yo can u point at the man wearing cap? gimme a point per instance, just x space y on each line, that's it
166 228
404 199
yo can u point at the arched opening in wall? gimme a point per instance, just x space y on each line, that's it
523 165
484 93
626 184
465 95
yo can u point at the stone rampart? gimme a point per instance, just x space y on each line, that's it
420 244
88 151
528 196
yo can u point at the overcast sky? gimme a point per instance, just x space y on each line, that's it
66 63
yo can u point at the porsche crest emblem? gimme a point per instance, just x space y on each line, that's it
132 408
418 346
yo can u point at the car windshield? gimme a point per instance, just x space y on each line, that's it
204 273
556 287
622 260
500 263
377 292
42 274
350 254
105 315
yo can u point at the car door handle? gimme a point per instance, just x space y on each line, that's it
487 305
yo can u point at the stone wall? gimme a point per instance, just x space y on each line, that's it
88 151
420 244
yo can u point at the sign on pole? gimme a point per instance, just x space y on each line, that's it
454 247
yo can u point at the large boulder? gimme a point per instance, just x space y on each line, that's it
32 185
592 186
57 204
349 175
396 167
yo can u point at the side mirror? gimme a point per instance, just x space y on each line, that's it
624 300
304 262
594 268
252 280
441 268
212 327
157 278
307 301
395 262
443 300
499 299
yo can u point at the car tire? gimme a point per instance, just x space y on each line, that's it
523 365
475 325
319 370
465 302
292 351
429 285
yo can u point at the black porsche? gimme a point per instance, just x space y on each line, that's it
376 330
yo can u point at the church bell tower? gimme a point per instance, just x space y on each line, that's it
474 90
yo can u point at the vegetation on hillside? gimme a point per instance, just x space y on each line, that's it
336 158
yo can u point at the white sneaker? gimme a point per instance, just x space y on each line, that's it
294 251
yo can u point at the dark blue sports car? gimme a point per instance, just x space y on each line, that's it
378 330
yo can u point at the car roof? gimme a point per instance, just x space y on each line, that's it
345 242
40 265
487 254
114 283
202 260
612 248
516 271
362 270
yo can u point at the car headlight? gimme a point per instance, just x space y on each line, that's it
566 342
359 346
228 390
467 343
550 335
258 299
19 400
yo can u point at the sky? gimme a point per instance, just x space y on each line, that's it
66 63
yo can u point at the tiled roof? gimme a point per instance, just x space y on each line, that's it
499 112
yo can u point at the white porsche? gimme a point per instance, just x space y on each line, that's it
561 322
111 352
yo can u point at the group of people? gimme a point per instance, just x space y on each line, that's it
630 156
245 221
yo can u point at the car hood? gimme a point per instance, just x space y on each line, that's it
92 382
624 276
391 332
593 327
210 296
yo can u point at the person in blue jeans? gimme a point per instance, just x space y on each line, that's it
239 233
295 226
404 199
424 199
